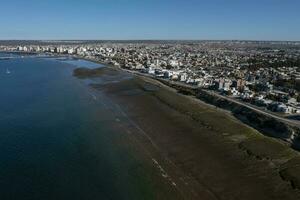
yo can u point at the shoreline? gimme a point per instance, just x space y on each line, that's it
204 143
173 85
295 128
214 142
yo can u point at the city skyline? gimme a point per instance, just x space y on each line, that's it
150 20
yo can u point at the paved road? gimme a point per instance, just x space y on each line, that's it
290 122
279 118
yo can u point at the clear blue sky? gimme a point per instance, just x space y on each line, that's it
150 19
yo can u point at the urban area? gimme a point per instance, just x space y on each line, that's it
265 75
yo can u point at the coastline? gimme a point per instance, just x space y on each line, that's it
292 129
273 122
288 159
206 152
170 85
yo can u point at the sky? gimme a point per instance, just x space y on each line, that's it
150 19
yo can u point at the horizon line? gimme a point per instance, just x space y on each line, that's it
246 40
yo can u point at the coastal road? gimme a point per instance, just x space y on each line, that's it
290 122
281 119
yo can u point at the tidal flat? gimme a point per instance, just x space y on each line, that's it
202 151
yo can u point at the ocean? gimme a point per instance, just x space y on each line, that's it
59 139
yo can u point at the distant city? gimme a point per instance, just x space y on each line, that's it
263 74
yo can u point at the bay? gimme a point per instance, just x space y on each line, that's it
59 140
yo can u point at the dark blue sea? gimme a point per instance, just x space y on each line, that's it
58 139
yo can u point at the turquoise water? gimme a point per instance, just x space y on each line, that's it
58 140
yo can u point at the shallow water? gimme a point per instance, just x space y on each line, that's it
59 139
